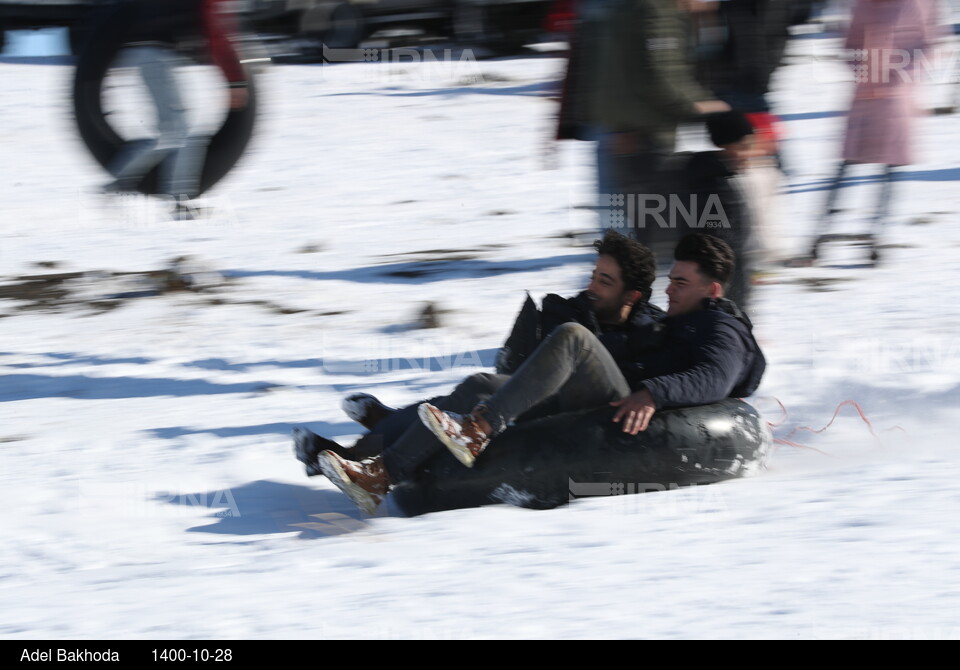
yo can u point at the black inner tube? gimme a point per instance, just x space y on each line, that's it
544 463
102 47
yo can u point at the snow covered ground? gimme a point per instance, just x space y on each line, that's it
148 480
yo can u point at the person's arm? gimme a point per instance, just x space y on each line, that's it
718 364
660 36
218 26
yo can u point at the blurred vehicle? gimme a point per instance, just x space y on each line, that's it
75 15
497 24
562 18
35 14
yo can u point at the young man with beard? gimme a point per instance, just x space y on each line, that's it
608 324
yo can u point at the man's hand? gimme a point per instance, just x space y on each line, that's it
711 107
636 410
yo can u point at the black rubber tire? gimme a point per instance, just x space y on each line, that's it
542 464
104 42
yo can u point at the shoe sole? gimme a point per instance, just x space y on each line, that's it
463 454
366 501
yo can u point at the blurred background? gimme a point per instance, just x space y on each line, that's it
294 29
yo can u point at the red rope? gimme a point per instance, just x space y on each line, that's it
787 441
782 409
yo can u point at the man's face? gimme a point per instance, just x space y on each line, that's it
607 291
688 288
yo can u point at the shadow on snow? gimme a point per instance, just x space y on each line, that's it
265 507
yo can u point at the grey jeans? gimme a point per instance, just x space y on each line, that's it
570 369
181 174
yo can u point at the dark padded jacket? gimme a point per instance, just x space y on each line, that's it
641 332
708 355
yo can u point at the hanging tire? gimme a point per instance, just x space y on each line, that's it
104 43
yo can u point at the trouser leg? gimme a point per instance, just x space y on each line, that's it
831 204
571 366
886 193
158 68
607 188
187 166
406 443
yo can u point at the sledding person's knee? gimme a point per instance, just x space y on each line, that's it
571 332
482 383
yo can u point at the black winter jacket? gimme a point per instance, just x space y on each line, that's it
642 331
708 355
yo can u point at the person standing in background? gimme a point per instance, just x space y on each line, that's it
630 83
161 30
885 39
739 48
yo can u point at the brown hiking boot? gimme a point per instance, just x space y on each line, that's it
459 433
365 409
365 482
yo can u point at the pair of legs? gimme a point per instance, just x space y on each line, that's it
883 200
570 370
879 218
629 166
181 174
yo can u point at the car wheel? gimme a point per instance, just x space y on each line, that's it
470 23
343 27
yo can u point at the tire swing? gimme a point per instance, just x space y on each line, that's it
545 463
103 45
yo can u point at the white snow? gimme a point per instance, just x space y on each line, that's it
148 481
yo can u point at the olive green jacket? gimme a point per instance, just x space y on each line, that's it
632 72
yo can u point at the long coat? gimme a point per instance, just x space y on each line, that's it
890 40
